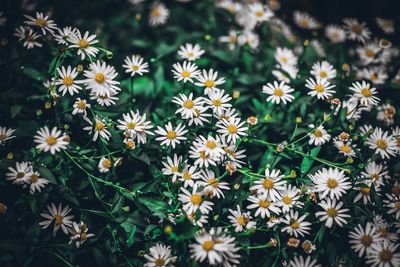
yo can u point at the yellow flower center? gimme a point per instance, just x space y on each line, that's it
323 74
319 88
242 220
332 183
81 104
20 175
100 78
135 67
106 163
160 262
155 12
356 28
217 102
82 43
385 255
374 76
287 200
2 137
209 83
268 183
208 245
259 14
130 125
171 135
213 182
278 92
58 219
186 176
264 203
345 148
185 73
99 126
130 144
365 190
174 168
366 92
68 80
294 224
397 204
41 22
34 178
369 53
366 240
382 144
203 155
196 199
331 212
51 140
188 104
284 59
317 133
232 128
211 144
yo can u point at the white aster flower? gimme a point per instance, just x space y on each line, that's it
186 72
79 233
335 34
296 225
159 256
264 206
278 92
28 36
209 80
84 44
362 238
59 216
193 201
321 88
80 107
170 136
271 185
259 12
333 213
330 182
172 167
53 141
190 52
135 65
289 198
98 129
300 261
42 22
36 183
67 80
212 186
104 165
383 254
355 30
100 78
242 221
189 175
22 172
383 143
305 21
159 14
6 134
319 136
324 70
64 35
218 101
231 129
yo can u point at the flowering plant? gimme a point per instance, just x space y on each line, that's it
236 140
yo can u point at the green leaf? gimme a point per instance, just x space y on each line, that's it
155 205
47 174
34 74
308 161
15 110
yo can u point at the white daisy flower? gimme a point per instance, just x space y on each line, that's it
84 44
242 221
344 148
216 247
259 12
218 101
59 216
383 143
362 238
324 70
232 129
231 39
209 80
271 185
172 167
42 22
321 88
135 65
67 80
28 36
264 206
190 52
212 186
135 125
230 6
285 56
36 183
130 143
200 116
159 256
285 73
396 136
104 165
211 146
64 35
296 225
376 173
98 129
300 261
79 234
186 72
355 30
278 92
386 113
305 21
368 52
376 75
330 182
53 141
249 38
319 136
170 136
188 105
201 159
6 134
289 198
80 107
333 213
234 155
193 201
22 172
159 14
386 25
189 175
104 100
335 34
392 203
100 78
383 254
383 228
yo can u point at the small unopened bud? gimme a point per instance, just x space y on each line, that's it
3 208
384 43
168 229
236 94
109 55
343 136
10 156
252 120
79 68
299 119
47 105
280 148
